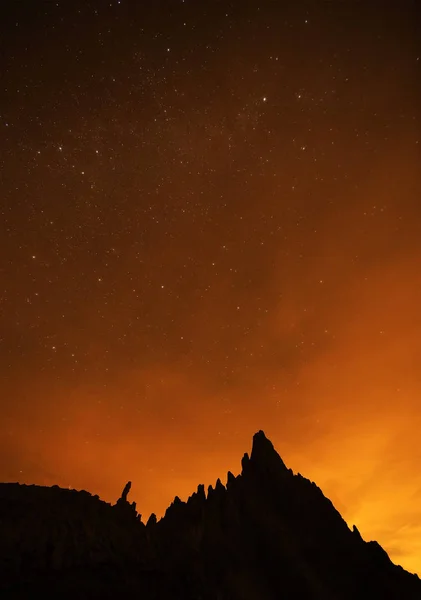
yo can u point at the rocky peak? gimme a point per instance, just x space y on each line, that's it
263 454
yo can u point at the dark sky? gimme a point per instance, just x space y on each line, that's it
210 223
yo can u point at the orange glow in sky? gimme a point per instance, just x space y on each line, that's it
198 245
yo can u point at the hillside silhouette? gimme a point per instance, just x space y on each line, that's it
266 535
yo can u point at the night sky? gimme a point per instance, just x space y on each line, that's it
210 224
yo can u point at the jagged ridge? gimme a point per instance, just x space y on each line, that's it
267 533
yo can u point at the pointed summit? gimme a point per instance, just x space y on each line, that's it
261 443
263 453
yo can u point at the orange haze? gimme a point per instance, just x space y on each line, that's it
344 411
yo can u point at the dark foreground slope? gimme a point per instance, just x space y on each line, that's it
266 535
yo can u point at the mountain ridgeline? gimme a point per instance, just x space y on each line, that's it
267 535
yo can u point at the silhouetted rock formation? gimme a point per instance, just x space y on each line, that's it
268 534
124 506
126 490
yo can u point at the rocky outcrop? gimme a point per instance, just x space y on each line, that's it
54 529
266 534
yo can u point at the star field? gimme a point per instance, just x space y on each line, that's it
209 224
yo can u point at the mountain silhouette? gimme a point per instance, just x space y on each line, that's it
266 535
